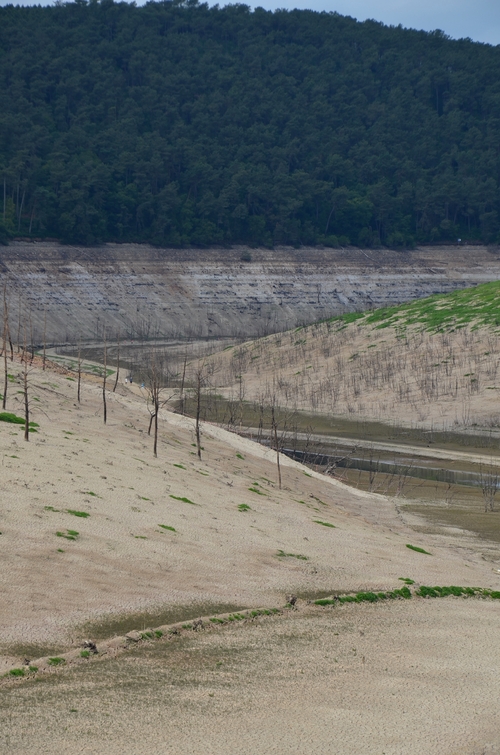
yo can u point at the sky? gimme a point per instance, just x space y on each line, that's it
477 19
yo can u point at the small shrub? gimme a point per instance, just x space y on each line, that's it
368 597
68 535
183 499
244 507
56 661
15 420
85 654
158 633
282 554
404 592
240 456
16 672
417 549
33 669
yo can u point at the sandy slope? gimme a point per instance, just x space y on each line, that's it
448 380
429 678
122 560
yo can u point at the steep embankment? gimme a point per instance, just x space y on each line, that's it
433 362
141 291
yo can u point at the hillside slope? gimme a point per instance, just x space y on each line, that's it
183 123
93 526
433 362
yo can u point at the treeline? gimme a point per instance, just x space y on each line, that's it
176 123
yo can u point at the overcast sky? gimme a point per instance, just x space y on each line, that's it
478 19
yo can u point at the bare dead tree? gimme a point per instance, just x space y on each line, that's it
79 368
32 345
199 382
104 377
156 394
181 397
44 339
25 391
199 379
274 431
4 345
489 481
117 364
19 324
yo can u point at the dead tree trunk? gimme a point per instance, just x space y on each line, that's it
44 340
25 391
79 372
117 366
5 331
104 376
274 429
181 405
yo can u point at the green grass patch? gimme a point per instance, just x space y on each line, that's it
85 654
417 549
183 499
17 672
82 514
256 490
325 524
244 507
13 419
179 466
50 508
90 492
240 456
282 554
68 535
476 306
407 580
167 527
56 661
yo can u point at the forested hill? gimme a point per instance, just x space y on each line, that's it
179 124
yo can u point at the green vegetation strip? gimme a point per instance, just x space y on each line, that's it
169 632
15 420
404 592
479 305
417 549
183 499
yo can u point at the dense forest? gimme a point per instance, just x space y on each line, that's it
180 124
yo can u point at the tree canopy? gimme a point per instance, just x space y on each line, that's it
180 124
